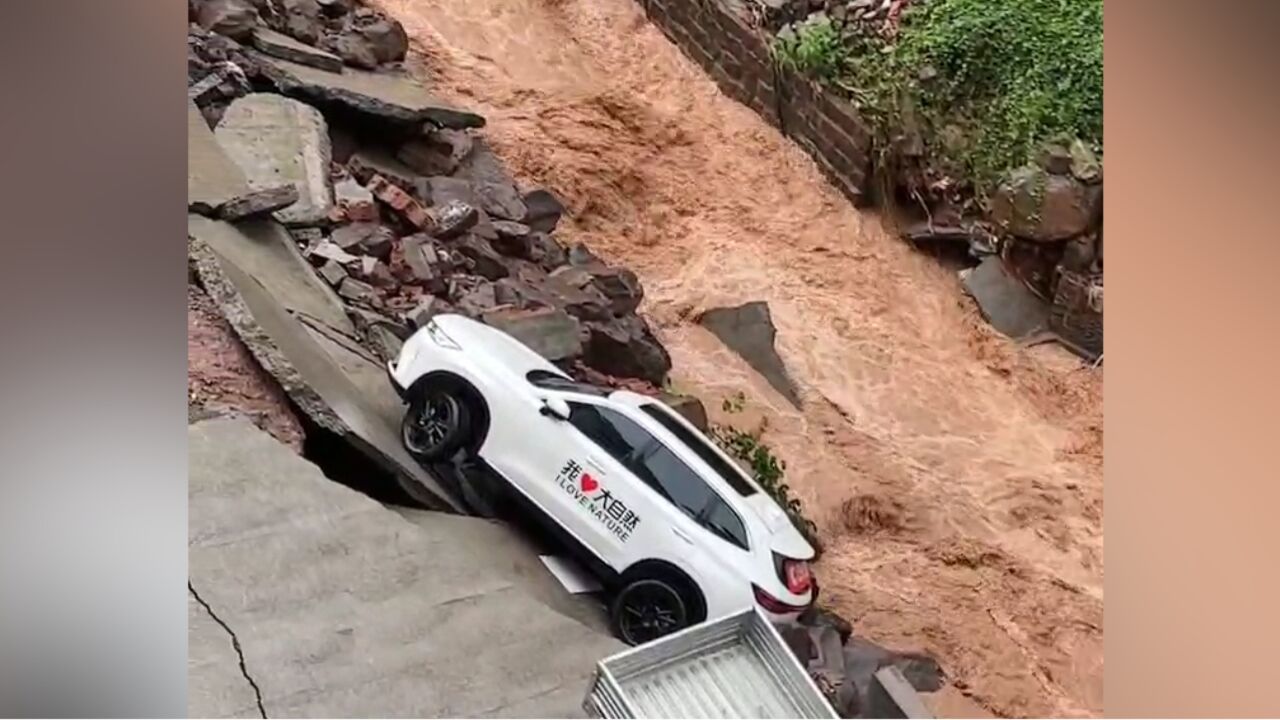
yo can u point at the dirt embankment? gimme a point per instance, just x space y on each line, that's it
956 478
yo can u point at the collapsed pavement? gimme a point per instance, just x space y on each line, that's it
310 599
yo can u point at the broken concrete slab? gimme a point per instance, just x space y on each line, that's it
748 330
284 47
891 696
381 97
296 328
276 140
258 202
212 178
1005 301
553 334
344 608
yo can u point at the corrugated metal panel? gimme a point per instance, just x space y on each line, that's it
735 667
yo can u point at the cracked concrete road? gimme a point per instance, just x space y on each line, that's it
343 607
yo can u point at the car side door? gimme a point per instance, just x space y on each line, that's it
598 500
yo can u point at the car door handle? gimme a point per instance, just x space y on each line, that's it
682 535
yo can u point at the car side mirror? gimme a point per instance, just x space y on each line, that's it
555 407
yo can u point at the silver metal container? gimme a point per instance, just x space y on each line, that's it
734 667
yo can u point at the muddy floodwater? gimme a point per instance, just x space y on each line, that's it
955 478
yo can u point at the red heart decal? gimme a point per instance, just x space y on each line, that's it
588 483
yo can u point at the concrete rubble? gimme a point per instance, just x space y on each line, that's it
276 140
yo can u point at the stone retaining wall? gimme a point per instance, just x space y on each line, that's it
722 39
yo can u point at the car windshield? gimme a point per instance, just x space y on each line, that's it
551 381
701 448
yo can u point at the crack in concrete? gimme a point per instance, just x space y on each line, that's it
235 644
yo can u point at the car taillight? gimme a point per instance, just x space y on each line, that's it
773 604
797 576
794 574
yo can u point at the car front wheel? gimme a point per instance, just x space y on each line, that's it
436 424
648 609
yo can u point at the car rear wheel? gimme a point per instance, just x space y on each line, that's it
436 424
648 609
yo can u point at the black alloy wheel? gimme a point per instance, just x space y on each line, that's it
435 425
648 609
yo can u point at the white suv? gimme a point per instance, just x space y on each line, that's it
667 521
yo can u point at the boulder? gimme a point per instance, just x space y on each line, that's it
368 39
258 202
553 334
276 140
484 260
748 330
501 200
473 299
282 46
1037 205
626 347
392 101
581 255
543 210
547 251
689 407
815 616
620 286
512 238
453 218
481 164
299 19
233 18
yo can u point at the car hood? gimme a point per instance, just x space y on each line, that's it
784 538
495 346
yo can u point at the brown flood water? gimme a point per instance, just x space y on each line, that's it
956 479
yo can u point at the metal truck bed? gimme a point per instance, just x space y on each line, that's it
734 667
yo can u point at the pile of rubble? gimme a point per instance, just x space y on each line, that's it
849 670
391 195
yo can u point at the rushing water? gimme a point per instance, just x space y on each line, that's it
956 478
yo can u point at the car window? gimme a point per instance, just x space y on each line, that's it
674 480
612 431
551 381
720 519
725 470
